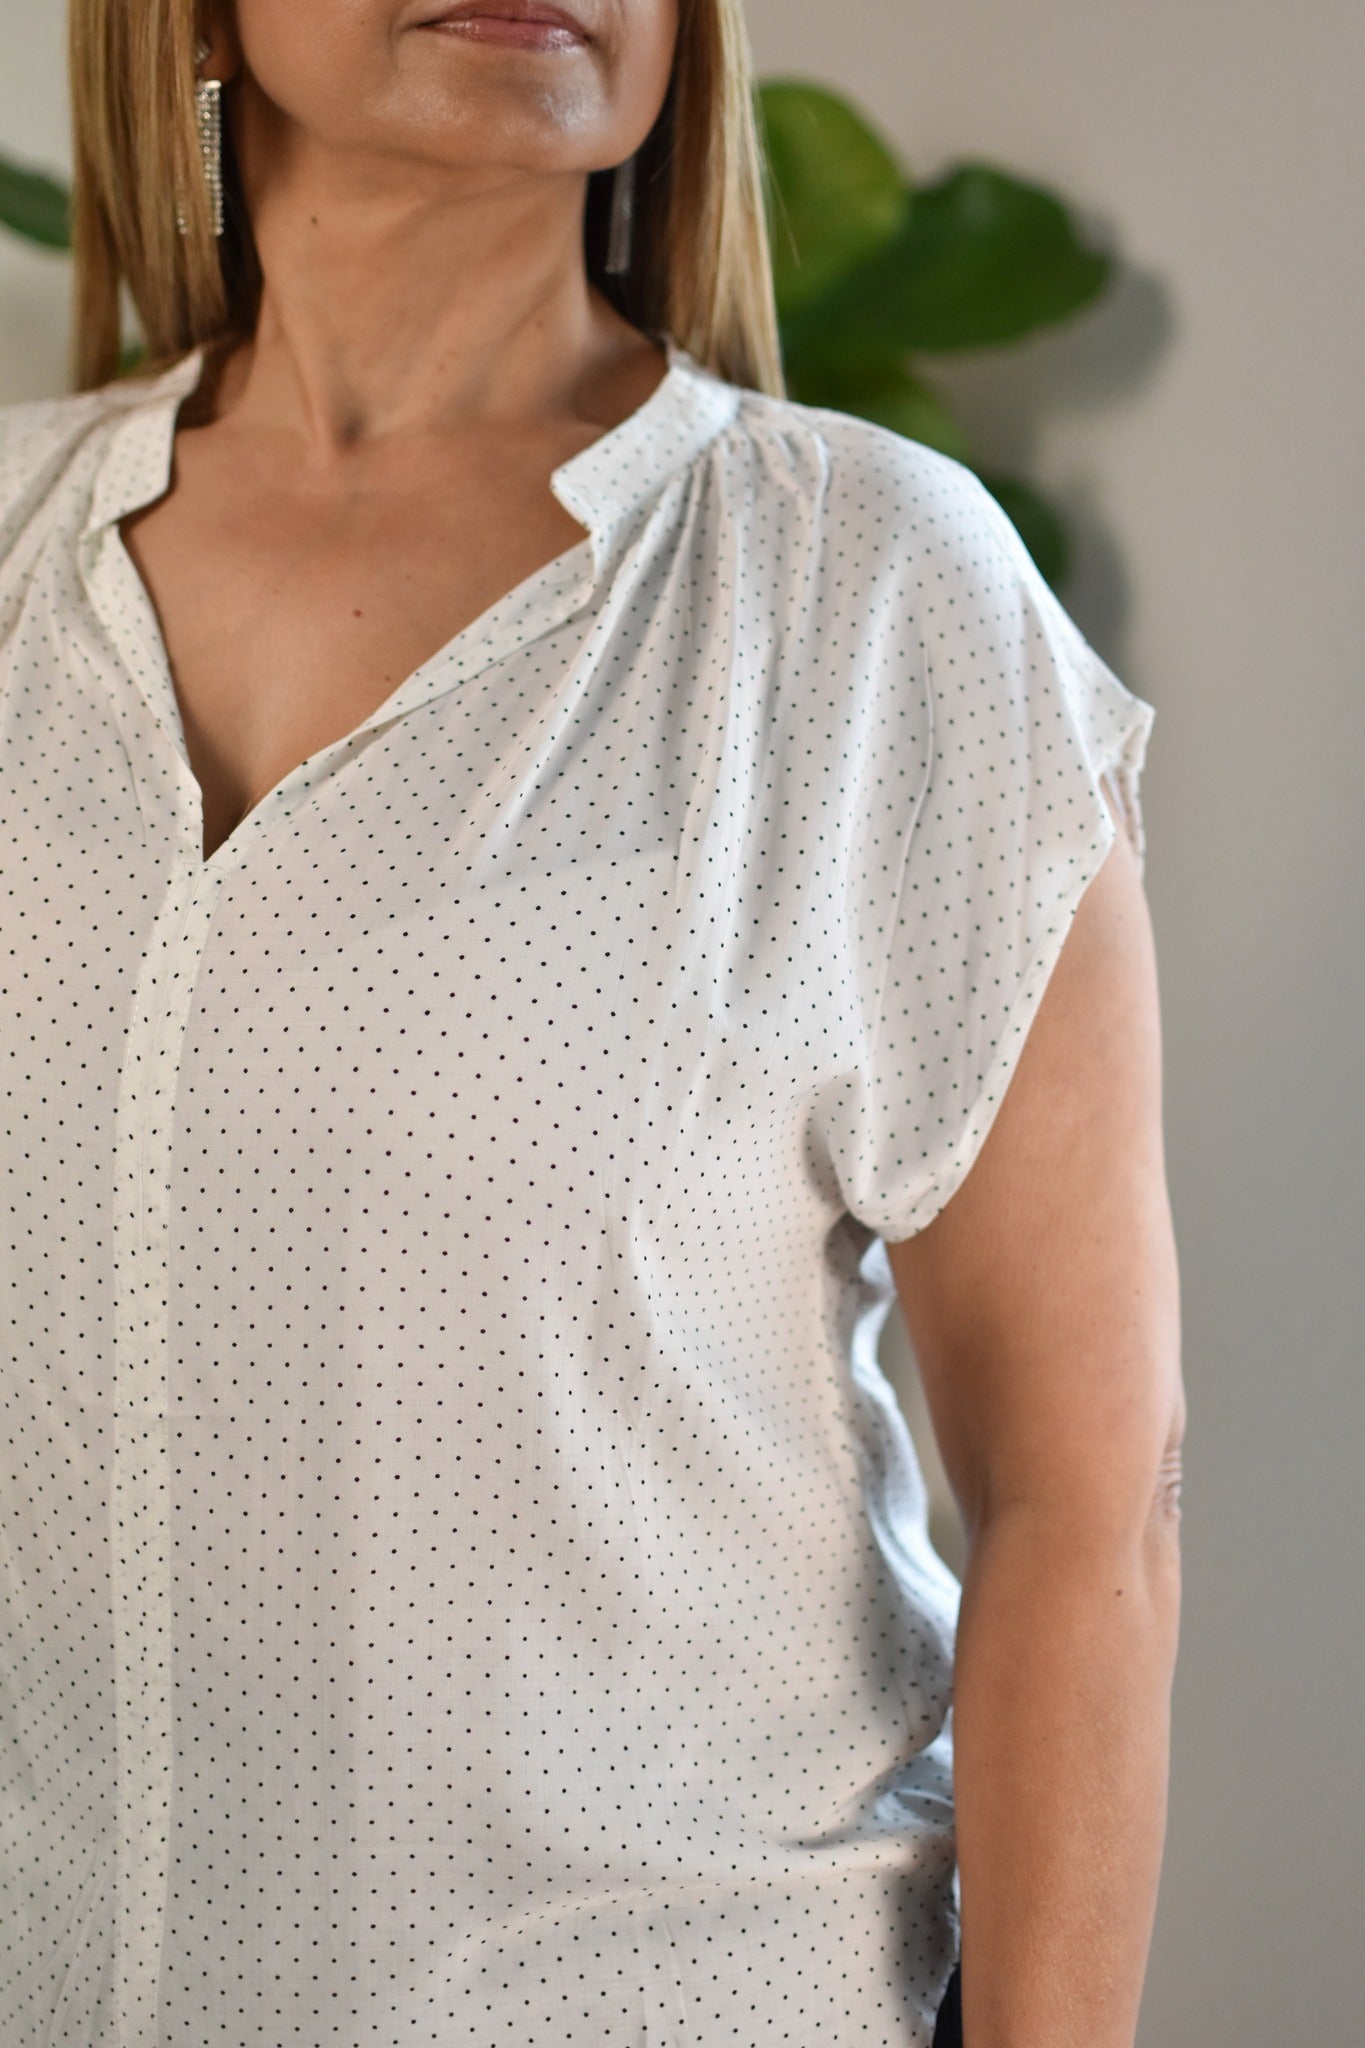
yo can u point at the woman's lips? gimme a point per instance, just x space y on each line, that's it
527 27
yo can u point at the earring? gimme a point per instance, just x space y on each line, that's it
208 109
622 208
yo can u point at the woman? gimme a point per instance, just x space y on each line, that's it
531 863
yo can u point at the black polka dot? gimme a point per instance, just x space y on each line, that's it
466 1577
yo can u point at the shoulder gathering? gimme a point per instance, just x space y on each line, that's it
38 439
885 492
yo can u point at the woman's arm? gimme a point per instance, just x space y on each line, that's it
1043 1305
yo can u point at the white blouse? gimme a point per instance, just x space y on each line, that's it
465 1575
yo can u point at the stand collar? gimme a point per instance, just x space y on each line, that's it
602 486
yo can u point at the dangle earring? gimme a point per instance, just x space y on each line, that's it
208 108
622 208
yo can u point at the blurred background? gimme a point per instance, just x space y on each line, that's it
1201 430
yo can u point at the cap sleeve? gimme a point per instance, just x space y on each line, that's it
1021 724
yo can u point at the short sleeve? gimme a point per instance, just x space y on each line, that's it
1024 725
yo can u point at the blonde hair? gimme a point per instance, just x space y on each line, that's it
700 268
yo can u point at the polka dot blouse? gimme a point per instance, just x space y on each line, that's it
465 1577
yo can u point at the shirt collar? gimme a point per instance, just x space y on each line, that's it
602 486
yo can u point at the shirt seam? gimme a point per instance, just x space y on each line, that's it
903 866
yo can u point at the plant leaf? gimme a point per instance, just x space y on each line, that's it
1038 525
835 191
36 206
888 393
979 258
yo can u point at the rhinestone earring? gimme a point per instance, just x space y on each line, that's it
208 109
622 209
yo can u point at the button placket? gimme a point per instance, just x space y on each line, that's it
140 1534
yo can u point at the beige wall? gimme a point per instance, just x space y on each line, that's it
1207 431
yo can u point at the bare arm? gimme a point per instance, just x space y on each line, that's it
1043 1305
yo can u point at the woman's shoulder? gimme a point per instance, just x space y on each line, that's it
880 525
882 531
39 437
879 483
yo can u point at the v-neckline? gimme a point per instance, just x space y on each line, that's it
545 598
600 486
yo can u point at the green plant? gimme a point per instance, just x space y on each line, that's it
869 270
34 205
